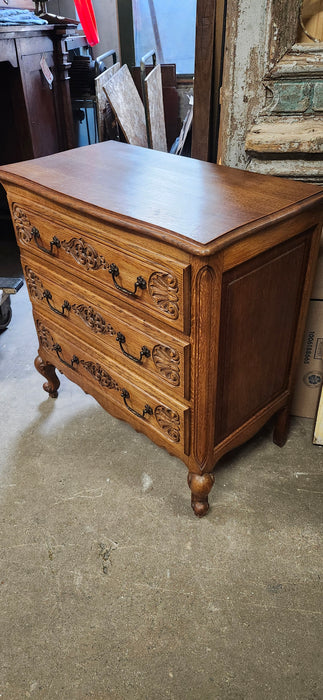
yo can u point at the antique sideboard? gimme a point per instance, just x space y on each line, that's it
172 290
35 115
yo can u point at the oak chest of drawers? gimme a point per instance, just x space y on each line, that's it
173 291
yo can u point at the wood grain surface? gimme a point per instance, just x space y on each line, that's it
155 109
101 97
127 106
165 193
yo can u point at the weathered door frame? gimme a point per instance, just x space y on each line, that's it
272 92
209 47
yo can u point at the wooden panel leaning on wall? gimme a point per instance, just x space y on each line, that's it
172 290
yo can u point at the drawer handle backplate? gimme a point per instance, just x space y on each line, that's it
144 352
147 410
66 305
55 242
74 361
139 284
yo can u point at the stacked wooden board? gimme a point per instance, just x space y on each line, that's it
116 86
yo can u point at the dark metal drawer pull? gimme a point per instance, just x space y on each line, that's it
54 242
140 283
147 410
74 361
66 305
144 352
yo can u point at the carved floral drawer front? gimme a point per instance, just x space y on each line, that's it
153 355
166 416
160 288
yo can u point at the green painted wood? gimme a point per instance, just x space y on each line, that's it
290 97
318 97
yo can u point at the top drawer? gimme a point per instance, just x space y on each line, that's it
160 288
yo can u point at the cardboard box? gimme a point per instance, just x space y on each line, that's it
318 432
310 372
317 291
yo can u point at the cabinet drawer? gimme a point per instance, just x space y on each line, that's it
149 411
155 286
153 355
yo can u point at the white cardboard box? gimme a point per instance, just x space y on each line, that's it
317 290
310 371
318 431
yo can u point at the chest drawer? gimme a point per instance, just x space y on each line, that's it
151 412
136 344
159 287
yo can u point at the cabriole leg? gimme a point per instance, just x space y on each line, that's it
48 371
200 485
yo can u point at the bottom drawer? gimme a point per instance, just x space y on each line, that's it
165 421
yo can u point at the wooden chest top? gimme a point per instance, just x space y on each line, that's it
199 206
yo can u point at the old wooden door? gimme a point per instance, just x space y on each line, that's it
272 88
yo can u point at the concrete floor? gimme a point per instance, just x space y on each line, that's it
112 589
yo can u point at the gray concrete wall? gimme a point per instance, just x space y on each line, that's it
65 8
106 19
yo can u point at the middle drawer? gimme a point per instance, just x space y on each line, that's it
138 345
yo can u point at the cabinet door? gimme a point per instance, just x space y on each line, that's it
39 96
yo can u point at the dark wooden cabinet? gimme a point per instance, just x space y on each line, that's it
35 119
172 290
